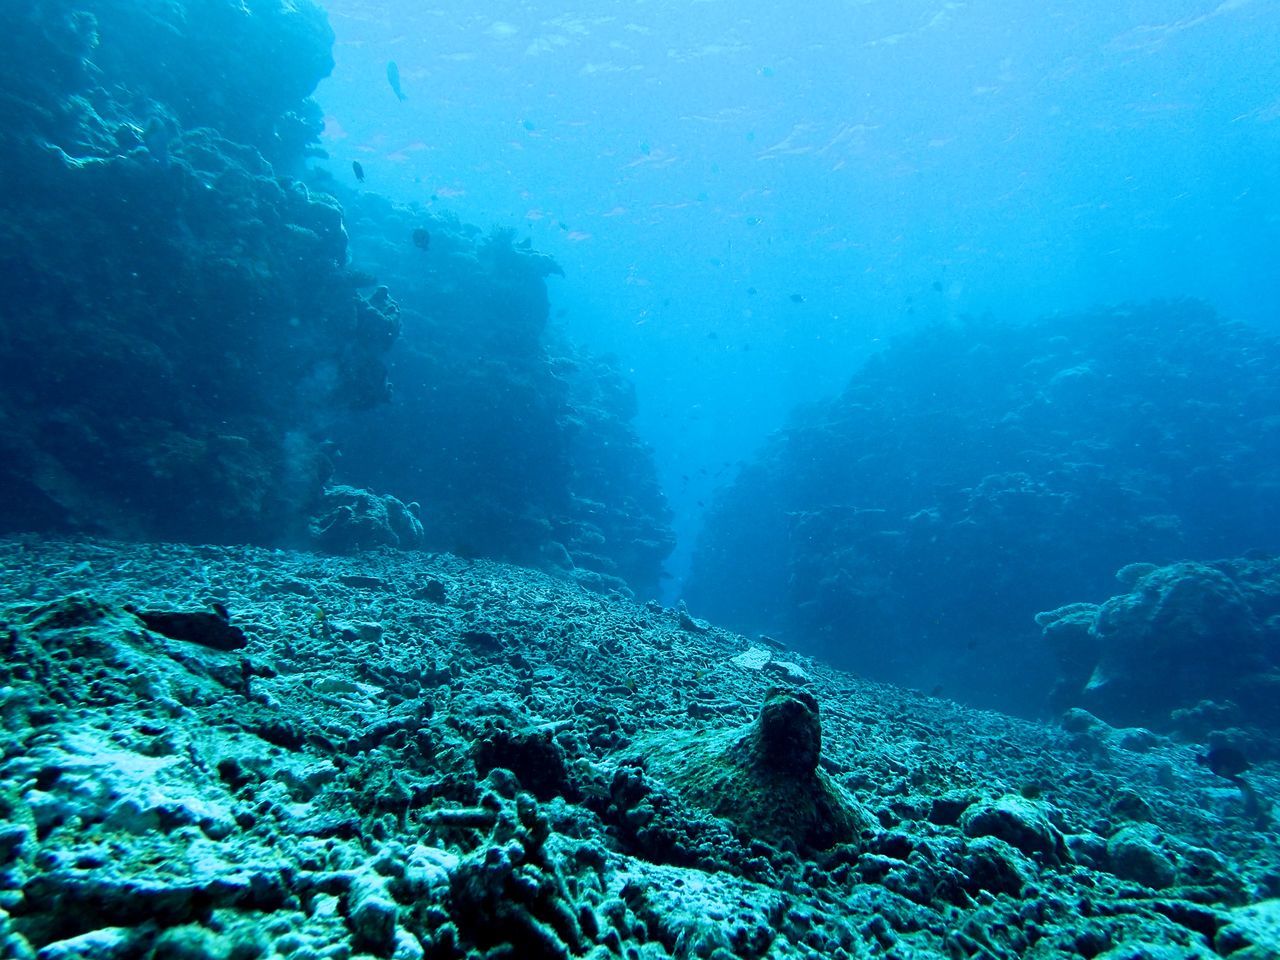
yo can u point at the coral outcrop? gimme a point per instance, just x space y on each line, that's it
1181 636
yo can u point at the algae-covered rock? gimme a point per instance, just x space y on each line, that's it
763 777
994 865
1136 853
1179 636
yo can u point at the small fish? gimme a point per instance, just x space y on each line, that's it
393 78
937 286
1225 762
358 170
796 298
421 239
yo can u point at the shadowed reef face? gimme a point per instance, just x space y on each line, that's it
194 349
977 473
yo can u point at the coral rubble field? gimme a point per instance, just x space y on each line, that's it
232 752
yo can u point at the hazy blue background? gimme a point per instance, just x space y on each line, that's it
698 167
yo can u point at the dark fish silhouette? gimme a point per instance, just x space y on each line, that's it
797 298
358 170
421 239
393 78
1225 762
1230 763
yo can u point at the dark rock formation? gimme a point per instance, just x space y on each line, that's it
208 628
186 353
84 73
974 474
616 522
176 320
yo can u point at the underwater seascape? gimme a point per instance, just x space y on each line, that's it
654 479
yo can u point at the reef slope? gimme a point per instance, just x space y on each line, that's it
230 752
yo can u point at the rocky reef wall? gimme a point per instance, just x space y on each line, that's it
973 475
176 313
188 353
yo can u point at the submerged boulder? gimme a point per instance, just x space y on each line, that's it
763 777
1019 822
350 519
1180 635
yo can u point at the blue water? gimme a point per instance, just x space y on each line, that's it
748 198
